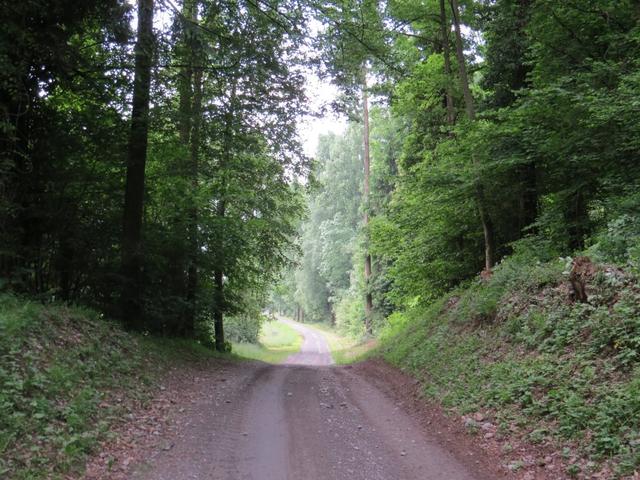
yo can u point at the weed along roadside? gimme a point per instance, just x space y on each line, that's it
70 381
276 342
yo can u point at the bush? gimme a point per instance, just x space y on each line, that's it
619 241
350 315
244 328
518 346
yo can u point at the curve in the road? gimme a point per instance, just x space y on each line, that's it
314 349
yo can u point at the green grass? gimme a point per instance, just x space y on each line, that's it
66 376
276 343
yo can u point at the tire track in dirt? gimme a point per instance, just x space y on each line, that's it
314 422
206 446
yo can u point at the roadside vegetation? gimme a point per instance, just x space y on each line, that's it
479 212
533 359
276 342
66 376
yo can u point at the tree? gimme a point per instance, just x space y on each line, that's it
446 52
329 234
368 304
351 42
132 254
190 91
481 201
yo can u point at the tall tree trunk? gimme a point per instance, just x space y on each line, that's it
446 51
462 67
190 90
528 196
218 312
577 218
481 201
194 244
132 257
219 308
368 303
528 174
218 316
185 79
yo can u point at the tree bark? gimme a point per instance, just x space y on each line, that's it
132 256
185 79
529 195
218 313
368 304
190 89
577 218
194 244
446 53
481 202
462 67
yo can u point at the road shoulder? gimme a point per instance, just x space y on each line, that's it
449 431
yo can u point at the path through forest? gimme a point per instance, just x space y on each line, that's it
303 420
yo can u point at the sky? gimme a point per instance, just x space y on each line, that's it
320 93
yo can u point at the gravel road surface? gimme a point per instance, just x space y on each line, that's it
305 420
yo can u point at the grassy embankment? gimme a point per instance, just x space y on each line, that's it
277 341
66 376
540 365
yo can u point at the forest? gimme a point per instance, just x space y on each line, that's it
487 177
496 127
157 176
142 173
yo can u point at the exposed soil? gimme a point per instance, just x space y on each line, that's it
249 420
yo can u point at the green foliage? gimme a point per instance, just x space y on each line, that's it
329 235
350 315
553 144
619 240
244 328
277 342
518 346
221 194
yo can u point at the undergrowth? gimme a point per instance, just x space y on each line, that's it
66 376
545 365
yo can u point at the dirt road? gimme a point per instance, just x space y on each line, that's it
301 421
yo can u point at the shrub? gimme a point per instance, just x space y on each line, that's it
350 315
244 328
